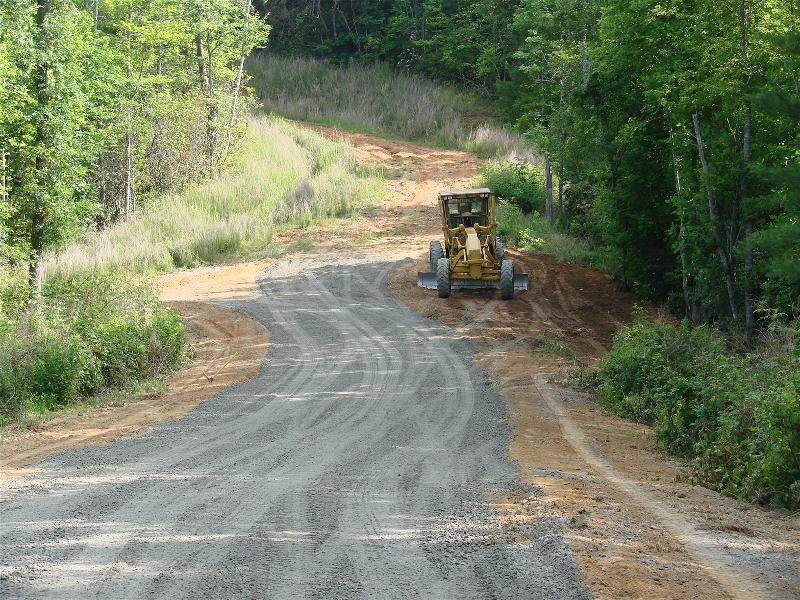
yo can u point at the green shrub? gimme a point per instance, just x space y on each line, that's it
14 292
518 183
737 417
87 333
56 367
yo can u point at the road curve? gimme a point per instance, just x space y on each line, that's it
360 463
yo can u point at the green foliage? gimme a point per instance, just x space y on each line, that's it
88 333
531 233
285 176
519 183
459 40
100 114
736 416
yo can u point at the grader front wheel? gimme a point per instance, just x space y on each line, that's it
436 252
443 278
507 280
499 250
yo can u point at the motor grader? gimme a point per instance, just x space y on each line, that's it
472 255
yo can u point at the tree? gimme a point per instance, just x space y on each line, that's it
99 109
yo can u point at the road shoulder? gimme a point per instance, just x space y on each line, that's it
637 528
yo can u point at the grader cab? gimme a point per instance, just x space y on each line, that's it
472 255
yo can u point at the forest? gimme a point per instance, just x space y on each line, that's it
105 108
667 143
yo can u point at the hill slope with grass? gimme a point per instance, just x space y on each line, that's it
285 176
376 99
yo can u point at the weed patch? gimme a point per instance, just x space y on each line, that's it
736 416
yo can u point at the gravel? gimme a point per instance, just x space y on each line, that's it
361 462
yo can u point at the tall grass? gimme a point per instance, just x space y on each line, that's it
285 176
376 99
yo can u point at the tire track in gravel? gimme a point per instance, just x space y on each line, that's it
358 463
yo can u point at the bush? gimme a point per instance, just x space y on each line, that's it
736 416
518 183
87 333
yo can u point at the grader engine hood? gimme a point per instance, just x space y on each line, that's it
473 245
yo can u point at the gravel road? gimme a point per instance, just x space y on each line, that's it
363 461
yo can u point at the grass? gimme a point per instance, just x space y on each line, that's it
376 99
285 177
87 334
531 233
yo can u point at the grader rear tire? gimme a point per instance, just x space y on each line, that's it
443 278
499 250
507 280
436 252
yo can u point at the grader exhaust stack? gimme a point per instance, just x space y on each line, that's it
472 256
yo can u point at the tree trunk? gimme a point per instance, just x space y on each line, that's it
240 73
41 85
201 62
129 142
585 64
748 227
548 191
211 123
562 142
4 181
682 229
713 214
128 172
744 191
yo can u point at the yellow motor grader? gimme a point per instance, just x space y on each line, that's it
472 255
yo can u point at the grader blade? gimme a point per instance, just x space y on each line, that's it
427 281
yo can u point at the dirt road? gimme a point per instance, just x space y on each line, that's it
392 446
358 463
